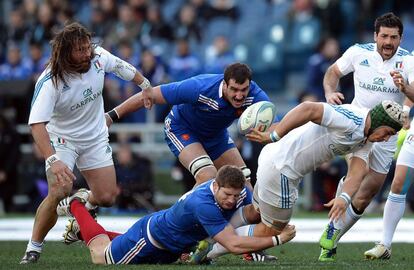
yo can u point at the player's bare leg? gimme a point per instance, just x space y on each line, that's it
46 216
102 183
97 248
369 188
203 169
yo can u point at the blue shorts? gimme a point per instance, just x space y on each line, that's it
134 247
179 136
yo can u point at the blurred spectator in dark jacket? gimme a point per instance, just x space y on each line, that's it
17 28
326 55
135 179
184 64
187 26
218 55
155 27
14 68
126 28
45 26
9 160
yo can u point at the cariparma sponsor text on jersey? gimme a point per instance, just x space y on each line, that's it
373 87
85 101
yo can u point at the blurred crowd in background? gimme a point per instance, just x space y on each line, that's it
288 44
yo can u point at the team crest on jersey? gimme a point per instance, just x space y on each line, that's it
87 92
364 63
97 66
379 81
399 64
185 137
65 88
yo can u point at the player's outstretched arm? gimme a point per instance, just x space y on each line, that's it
133 104
330 85
298 116
242 244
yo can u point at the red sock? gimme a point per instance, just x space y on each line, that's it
89 228
112 235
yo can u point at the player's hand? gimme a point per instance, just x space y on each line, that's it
258 136
399 80
147 95
288 233
62 173
334 98
338 209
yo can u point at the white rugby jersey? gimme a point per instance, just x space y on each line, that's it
74 110
305 148
372 80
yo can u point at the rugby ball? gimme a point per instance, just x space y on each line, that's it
258 115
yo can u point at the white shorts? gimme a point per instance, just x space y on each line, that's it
274 194
85 156
380 156
406 155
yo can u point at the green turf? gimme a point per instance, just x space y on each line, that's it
291 256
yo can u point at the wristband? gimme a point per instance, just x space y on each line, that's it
406 109
113 114
345 197
52 159
276 240
145 84
274 137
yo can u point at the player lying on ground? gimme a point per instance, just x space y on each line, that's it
310 134
163 236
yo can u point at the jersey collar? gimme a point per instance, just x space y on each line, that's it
221 89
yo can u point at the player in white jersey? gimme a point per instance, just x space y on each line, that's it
310 134
395 205
68 124
381 71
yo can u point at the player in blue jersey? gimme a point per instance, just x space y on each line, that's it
161 237
204 107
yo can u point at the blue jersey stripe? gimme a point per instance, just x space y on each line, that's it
39 85
350 115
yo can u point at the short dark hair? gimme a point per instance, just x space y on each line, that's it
230 176
239 72
389 20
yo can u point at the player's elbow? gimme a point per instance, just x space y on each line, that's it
313 110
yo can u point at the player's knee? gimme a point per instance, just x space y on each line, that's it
397 186
202 168
105 199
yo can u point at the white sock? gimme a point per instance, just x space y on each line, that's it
238 218
393 212
219 250
34 246
90 206
345 224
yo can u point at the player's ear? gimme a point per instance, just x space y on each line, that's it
215 186
375 36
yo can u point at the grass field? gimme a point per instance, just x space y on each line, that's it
291 256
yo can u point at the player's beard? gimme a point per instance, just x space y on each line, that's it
388 47
83 67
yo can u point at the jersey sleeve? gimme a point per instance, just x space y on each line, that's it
211 218
186 91
345 62
115 65
341 118
43 101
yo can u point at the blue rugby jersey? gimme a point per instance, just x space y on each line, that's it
194 217
199 103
